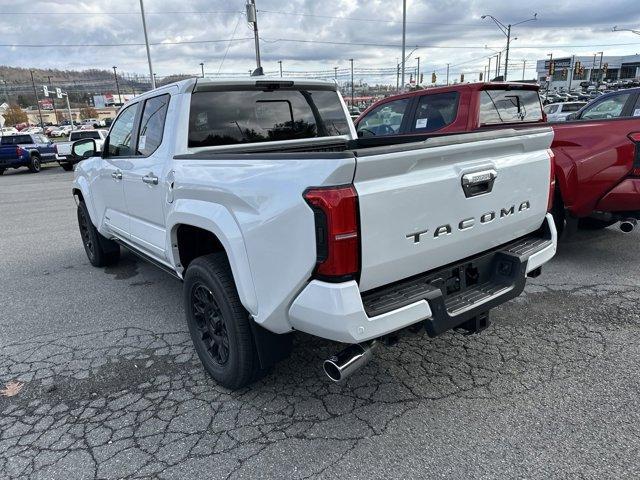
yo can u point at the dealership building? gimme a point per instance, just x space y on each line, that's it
594 68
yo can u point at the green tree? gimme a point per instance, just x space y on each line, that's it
15 115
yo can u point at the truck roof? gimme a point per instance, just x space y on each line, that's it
191 84
475 86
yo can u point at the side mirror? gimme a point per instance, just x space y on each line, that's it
84 148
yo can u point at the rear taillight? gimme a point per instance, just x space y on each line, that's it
20 151
635 138
337 233
552 180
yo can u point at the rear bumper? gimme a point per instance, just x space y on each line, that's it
625 197
340 312
13 163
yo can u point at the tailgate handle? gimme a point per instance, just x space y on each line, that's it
478 183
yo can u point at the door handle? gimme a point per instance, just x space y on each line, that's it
117 175
150 179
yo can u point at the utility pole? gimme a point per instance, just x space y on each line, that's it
499 64
524 67
35 92
447 74
252 18
280 63
593 66
404 37
418 74
489 70
352 89
115 75
571 66
202 68
600 79
68 108
335 74
53 100
550 55
506 30
146 42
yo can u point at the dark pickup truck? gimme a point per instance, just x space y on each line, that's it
597 150
25 150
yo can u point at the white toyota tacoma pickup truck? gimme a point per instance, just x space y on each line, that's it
259 195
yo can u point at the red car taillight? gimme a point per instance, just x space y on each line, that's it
635 138
337 232
552 180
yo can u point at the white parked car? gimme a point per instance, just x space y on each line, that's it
8 131
62 131
260 196
558 112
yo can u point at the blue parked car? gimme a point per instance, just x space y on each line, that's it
25 150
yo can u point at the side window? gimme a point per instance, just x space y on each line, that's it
435 111
152 124
509 106
608 108
385 119
551 109
121 134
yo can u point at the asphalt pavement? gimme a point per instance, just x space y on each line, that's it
113 389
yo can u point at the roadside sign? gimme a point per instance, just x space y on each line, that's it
46 90
58 92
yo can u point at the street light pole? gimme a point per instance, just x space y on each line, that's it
115 75
202 68
418 74
280 64
146 42
335 74
524 67
352 91
252 18
600 70
489 70
506 31
447 74
35 92
404 37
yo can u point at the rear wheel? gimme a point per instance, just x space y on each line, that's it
100 250
34 164
2 171
218 323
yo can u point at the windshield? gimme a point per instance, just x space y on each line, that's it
509 106
232 117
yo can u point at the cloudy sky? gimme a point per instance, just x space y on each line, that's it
307 35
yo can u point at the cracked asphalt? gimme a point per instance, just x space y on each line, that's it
113 389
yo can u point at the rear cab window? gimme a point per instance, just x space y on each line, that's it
16 140
95 134
233 117
509 106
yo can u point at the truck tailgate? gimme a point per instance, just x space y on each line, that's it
64 148
415 214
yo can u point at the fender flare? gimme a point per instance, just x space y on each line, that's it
80 183
218 220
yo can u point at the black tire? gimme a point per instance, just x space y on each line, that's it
101 251
218 323
34 164
557 211
594 224
67 167
2 171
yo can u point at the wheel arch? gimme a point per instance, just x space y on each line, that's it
198 228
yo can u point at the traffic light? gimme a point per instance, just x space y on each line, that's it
480 76
565 72
552 67
605 67
461 77
433 77
421 78
581 70
576 68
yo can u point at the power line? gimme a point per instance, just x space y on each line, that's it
63 45
125 13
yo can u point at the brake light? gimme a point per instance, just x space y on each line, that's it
20 151
552 180
635 138
337 231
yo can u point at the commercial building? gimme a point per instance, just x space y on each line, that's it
594 68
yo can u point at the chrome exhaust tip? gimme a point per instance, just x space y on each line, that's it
628 225
347 361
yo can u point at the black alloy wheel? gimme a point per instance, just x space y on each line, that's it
210 323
